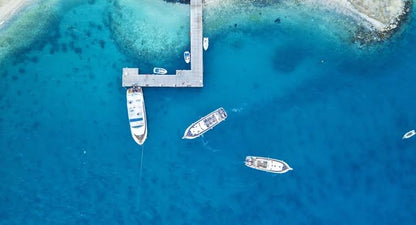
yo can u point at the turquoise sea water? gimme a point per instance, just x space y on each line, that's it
297 91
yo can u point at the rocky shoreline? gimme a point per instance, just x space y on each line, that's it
366 36
377 20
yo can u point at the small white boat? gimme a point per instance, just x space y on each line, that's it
205 123
206 43
187 56
137 114
158 70
409 134
267 164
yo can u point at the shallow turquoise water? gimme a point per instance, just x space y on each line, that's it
334 112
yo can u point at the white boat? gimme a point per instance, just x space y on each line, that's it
137 114
267 164
187 56
205 123
409 134
158 70
206 43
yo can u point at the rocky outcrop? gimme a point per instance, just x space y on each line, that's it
385 16
376 20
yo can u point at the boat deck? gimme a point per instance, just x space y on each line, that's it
182 78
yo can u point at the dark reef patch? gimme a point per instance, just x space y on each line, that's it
35 125
178 1
277 20
102 44
78 50
4 73
34 59
22 70
288 57
64 47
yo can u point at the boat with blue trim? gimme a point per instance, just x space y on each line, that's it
159 70
267 164
137 114
187 56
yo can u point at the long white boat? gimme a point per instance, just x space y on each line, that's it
206 43
267 164
137 114
409 134
187 56
205 123
158 70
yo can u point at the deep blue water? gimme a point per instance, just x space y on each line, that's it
336 113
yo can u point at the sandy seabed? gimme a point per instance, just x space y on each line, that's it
9 8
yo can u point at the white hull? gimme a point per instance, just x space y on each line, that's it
409 134
267 164
158 70
187 56
137 114
205 124
206 43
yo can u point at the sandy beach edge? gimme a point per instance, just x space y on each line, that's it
9 8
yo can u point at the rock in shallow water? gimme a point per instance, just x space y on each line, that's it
390 14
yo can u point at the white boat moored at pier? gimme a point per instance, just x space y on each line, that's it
137 114
206 43
159 70
267 164
187 56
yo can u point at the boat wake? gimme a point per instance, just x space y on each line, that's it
140 176
141 165
206 145
237 110
242 184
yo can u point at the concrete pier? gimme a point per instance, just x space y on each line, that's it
182 78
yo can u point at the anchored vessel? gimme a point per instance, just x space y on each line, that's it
206 43
205 123
187 56
158 70
409 134
267 164
137 114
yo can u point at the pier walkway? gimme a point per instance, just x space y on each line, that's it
182 78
